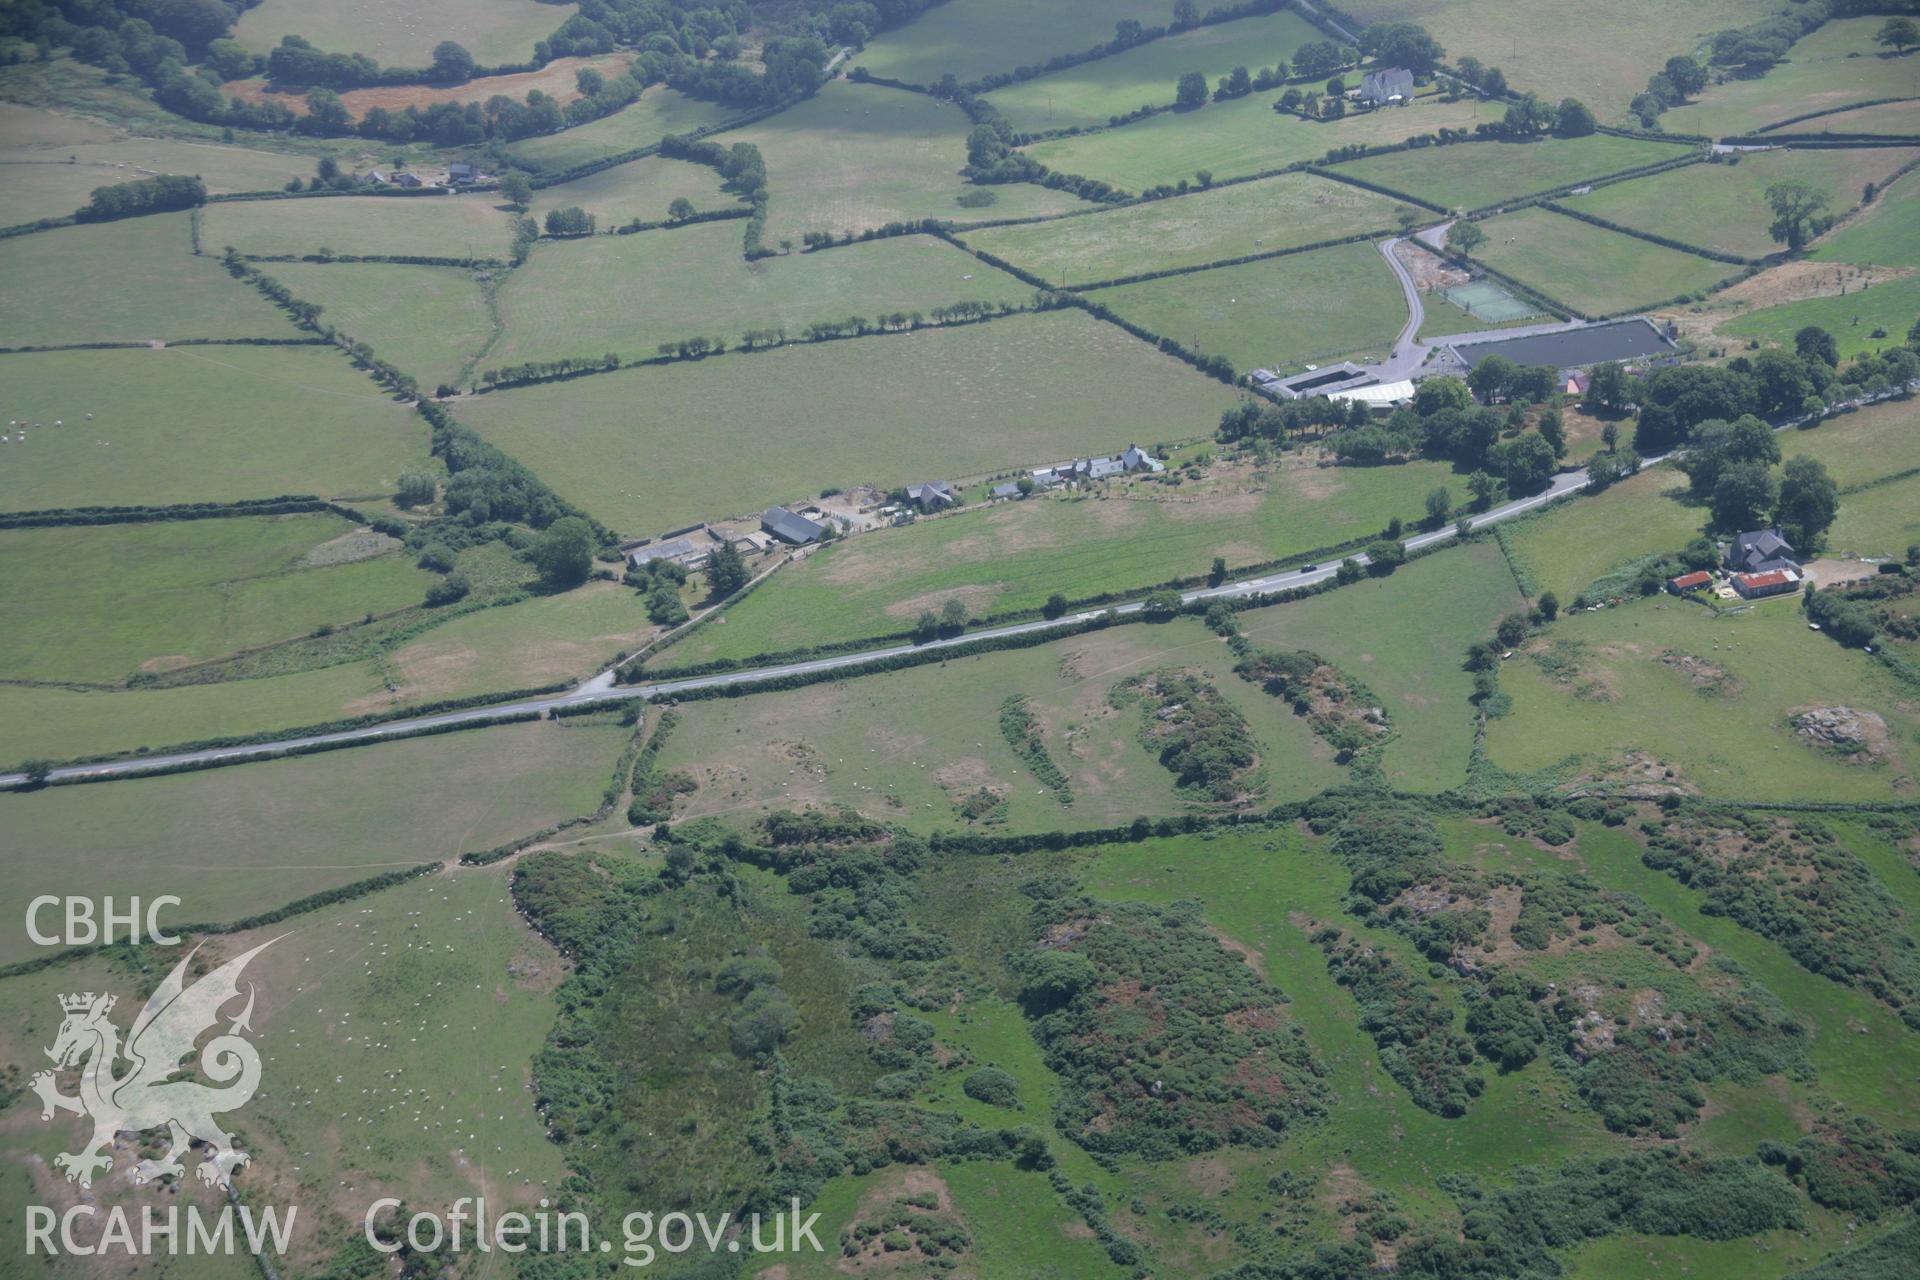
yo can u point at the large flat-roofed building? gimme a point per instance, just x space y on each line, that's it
1572 348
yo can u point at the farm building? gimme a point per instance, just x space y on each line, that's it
1761 551
1774 582
1138 459
1689 582
461 172
1575 348
1011 489
1380 396
934 495
409 181
791 527
681 551
1393 84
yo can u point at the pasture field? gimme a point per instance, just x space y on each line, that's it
856 156
1094 92
1886 233
1313 306
558 79
494 31
1620 43
909 747
197 424
1576 542
1613 695
126 281
1486 173
1880 440
429 321
639 189
1592 269
1405 636
419 226
628 294
1881 521
1012 392
234 842
1836 66
1899 119
1188 231
658 112
1887 308
1724 206
42 181
95 603
539 641
1133 536
1233 139
980 37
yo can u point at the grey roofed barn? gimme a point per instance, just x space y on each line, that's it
1382 87
791 527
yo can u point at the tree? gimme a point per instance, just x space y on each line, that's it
1526 463
926 628
1572 119
1403 44
1185 14
1512 630
1488 379
416 489
1025 486
953 614
1898 34
1809 501
1794 205
1529 116
1610 437
1549 606
1217 572
1191 91
1431 395
1164 603
1607 386
1463 237
1384 556
1815 343
1439 506
1408 217
1744 496
452 63
1686 76
589 82
517 190
1055 607
1485 489
726 571
680 209
1554 432
570 221
564 553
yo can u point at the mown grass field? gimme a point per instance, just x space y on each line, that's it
1189 231
494 31
428 321
1235 138
1565 549
1592 269
392 226
1724 206
191 424
126 281
979 37
1894 118
1015 555
659 111
628 294
1853 318
640 189
96 603
1887 233
50 179
1880 440
1309 306
1484 173
1093 92
1836 66
1620 44
1881 521
910 747
931 404
1621 691
856 156
237 841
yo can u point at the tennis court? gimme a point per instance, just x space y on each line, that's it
1485 300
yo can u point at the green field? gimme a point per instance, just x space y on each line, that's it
1315 306
494 31
659 111
639 189
428 321
1621 691
116 598
126 281
1485 173
628 294
1132 536
1236 138
205 836
979 37
972 400
1887 233
191 424
1897 119
1724 206
1889 308
51 180
1093 92
1189 231
1836 66
420 226
1592 269
857 156
1620 44
1567 548
1881 521
1877 441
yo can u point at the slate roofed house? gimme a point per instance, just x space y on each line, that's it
376 177
462 171
409 180
679 550
1761 551
1689 582
1011 489
790 527
1394 84
1138 459
1774 582
934 495
1101 468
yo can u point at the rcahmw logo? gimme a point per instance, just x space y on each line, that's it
134 1089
